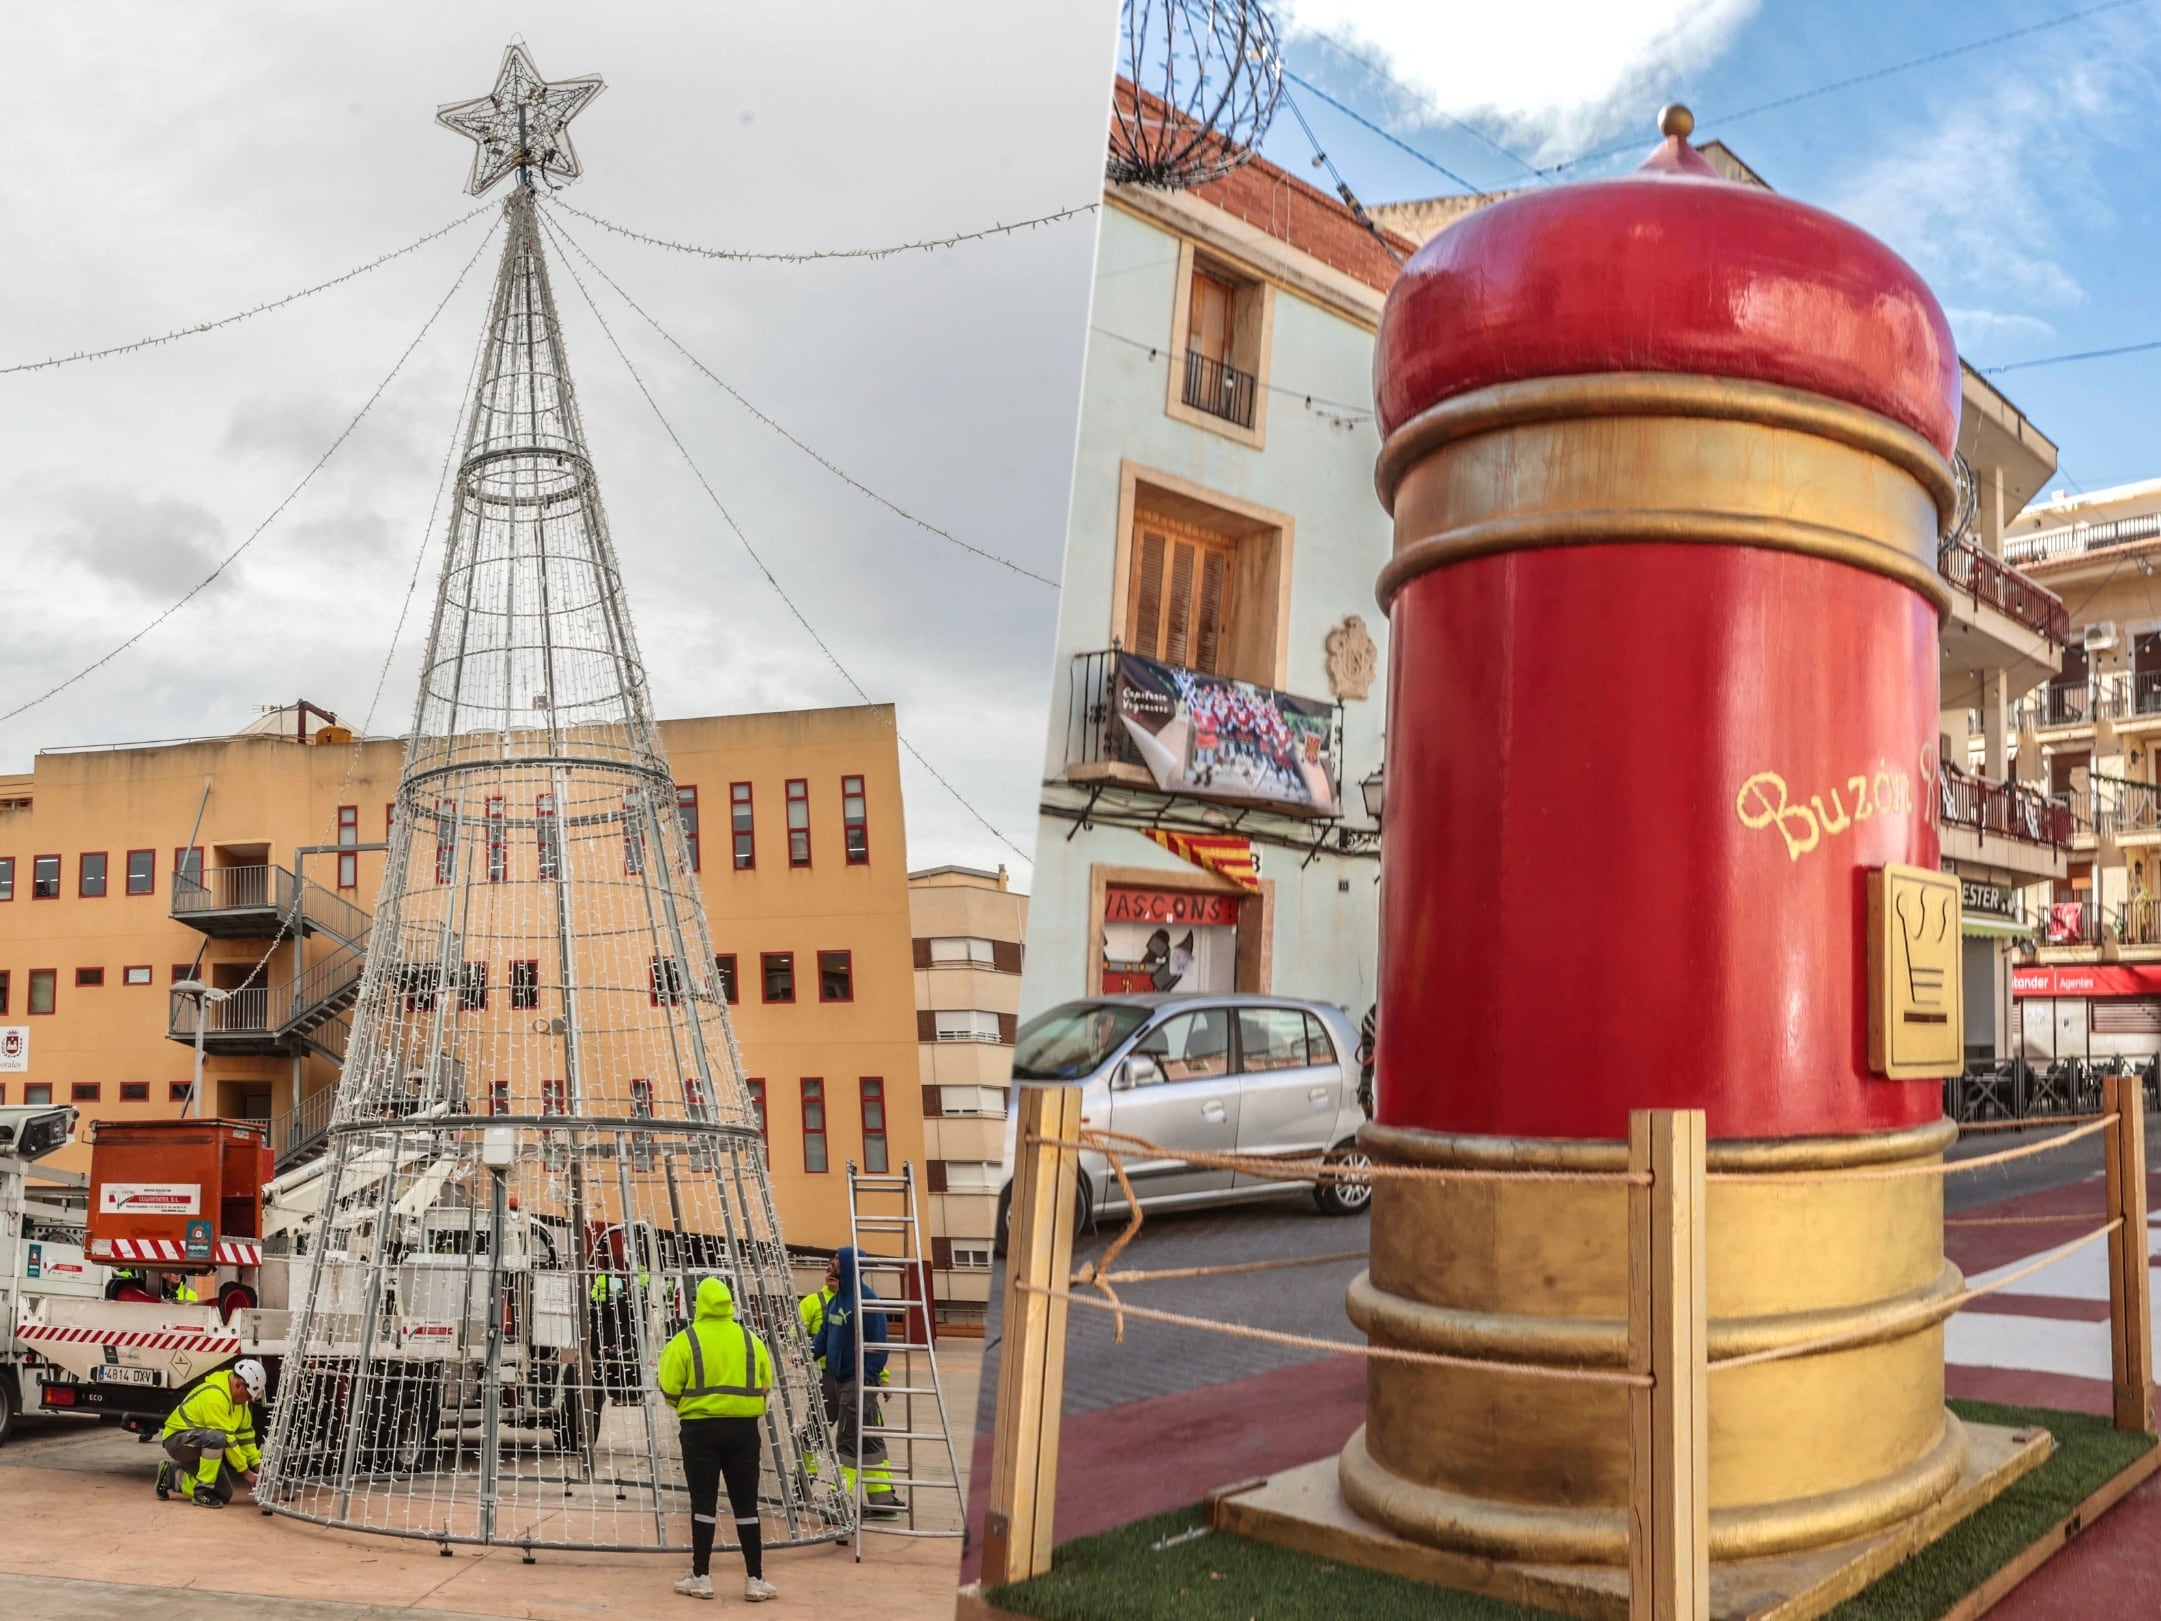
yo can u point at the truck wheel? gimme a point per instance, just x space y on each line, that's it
1345 1195
9 1401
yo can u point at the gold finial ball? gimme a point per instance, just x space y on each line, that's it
1676 120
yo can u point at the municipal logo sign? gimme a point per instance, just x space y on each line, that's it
14 1048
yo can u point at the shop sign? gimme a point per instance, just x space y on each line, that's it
2087 979
1988 899
1192 908
1215 738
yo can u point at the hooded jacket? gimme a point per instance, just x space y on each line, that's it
834 1342
715 1368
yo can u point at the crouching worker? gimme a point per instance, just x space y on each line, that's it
211 1434
716 1375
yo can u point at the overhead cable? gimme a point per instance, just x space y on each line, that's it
822 460
807 256
1399 144
291 496
247 314
1343 188
2061 360
555 231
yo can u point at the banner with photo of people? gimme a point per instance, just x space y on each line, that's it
1216 738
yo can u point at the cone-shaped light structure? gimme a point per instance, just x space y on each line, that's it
541 1141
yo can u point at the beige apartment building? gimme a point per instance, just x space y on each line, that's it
970 928
251 863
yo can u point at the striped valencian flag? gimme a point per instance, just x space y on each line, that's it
1220 853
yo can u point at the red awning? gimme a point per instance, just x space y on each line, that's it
2087 979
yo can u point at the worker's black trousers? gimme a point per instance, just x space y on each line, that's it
716 1449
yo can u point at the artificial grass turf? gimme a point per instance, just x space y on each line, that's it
1123 1575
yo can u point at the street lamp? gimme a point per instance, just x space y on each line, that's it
204 995
1374 790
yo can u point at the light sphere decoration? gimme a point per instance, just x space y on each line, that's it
1205 78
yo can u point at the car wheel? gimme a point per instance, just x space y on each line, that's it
1345 1195
1003 1230
7 1405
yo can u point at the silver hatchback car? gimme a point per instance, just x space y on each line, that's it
1244 1074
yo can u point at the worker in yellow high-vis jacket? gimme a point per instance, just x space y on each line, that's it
211 1433
716 1374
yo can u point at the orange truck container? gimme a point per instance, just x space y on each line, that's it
185 1192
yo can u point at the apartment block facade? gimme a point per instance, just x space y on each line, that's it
250 863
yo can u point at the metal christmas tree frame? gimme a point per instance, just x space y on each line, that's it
542 1140
1205 76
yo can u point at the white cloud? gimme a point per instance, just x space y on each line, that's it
1547 77
1982 329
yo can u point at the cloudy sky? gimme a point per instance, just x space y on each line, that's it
170 165
2019 177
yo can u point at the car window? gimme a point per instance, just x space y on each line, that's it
1320 1047
1271 1038
1191 1046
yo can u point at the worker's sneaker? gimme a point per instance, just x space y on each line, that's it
756 1590
884 1505
207 1497
695 1586
164 1482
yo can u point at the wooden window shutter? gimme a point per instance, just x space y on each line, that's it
1181 594
1208 627
1178 620
1008 1027
1145 636
1005 956
933 1102
926 1025
922 952
941 1254
934 1175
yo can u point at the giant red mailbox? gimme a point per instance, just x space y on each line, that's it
1668 458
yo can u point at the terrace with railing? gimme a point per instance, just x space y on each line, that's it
1988 579
2008 810
2077 539
1220 389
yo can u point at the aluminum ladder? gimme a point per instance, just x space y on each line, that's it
886 1231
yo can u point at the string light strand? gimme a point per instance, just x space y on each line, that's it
807 256
276 512
178 333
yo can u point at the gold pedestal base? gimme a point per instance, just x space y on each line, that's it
1304 1510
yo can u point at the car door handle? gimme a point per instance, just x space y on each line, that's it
1319 1094
1212 1109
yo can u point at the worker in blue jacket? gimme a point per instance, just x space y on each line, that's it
835 1345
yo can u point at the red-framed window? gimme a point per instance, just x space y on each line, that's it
37 1091
874 1151
664 982
724 976
633 834
554 1097
348 833
776 976
90 874
854 821
836 976
86 1091
499 1096
421 983
142 872
3 1092
798 822
742 827
134 1091
44 878
176 1091
183 970
473 986
547 837
7 878
89 978
756 1083
686 812
498 851
3 990
44 990
525 984
188 868
814 1155
446 839
137 973
390 817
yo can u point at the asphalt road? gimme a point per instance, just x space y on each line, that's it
1158 1360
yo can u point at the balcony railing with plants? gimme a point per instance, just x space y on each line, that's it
1988 579
1220 389
2007 810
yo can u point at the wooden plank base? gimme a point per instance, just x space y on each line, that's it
1303 1509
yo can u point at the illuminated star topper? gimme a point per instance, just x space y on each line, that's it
522 124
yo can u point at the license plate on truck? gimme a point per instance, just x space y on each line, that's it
112 1374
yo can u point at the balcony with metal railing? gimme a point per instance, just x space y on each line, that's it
261 902
259 1020
2003 810
1990 581
2075 924
1220 389
2077 539
2064 703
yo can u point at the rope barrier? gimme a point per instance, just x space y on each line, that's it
1926 1309
2016 1221
2033 1123
1379 1353
1895 1173
1093 1272
1112 1144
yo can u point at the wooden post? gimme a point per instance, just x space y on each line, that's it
2130 1308
1669 1534
1031 1359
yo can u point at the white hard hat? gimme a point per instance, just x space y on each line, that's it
250 1372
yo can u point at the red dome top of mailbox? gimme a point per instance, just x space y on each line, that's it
1669 270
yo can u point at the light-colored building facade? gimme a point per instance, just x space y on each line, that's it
2090 986
125 870
970 928
1219 652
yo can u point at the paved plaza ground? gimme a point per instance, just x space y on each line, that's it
82 1537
